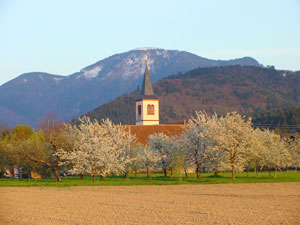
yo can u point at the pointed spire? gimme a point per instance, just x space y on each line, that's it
147 85
147 90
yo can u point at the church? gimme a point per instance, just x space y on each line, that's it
147 104
147 113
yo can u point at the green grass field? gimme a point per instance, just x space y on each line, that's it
158 179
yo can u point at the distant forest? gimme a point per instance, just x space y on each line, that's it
284 120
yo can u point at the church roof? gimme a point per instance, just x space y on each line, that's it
142 133
147 90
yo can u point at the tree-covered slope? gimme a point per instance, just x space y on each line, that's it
286 120
245 89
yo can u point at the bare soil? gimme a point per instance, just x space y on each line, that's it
272 203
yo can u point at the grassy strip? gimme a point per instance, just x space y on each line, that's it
158 179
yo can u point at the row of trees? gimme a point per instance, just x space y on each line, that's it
223 143
214 143
22 148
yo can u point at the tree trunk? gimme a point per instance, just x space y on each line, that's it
198 172
12 172
269 172
247 171
186 174
81 177
165 172
57 174
127 175
275 170
233 172
171 174
147 170
20 172
135 173
150 175
180 176
216 172
94 178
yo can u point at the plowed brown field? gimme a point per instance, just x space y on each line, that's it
274 203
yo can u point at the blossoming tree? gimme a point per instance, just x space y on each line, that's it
99 149
159 143
276 153
234 137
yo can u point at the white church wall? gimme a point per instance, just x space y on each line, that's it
145 118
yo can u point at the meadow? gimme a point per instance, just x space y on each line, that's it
157 179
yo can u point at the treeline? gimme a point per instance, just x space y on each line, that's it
282 120
214 143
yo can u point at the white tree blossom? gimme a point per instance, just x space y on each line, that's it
99 149
294 149
148 159
198 140
159 143
234 136
275 153
178 154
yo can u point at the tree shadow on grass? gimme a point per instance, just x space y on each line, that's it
216 176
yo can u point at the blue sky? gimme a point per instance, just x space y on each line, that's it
63 36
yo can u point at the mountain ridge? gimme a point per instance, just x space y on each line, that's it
246 89
31 96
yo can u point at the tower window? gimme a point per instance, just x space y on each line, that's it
139 109
150 109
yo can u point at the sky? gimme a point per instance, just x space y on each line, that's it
63 36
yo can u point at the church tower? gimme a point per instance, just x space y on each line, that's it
147 104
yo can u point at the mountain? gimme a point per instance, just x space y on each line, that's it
29 97
246 89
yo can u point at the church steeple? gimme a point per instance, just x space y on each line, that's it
147 85
147 104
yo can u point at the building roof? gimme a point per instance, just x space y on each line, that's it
147 90
289 136
142 133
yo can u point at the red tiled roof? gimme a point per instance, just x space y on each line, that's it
142 132
290 135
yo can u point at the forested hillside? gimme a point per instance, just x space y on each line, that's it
286 120
246 89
